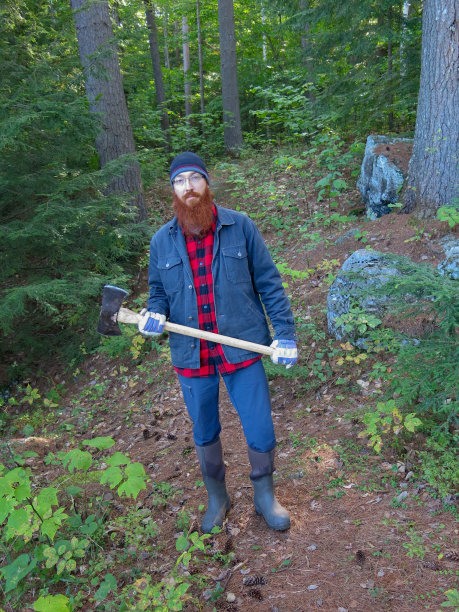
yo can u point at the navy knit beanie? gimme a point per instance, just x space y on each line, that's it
188 162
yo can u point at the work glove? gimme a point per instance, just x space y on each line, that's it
151 323
285 352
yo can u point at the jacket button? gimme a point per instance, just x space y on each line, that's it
190 286
192 345
167 265
239 254
190 318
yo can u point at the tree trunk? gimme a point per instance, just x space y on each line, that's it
263 23
157 72
390 72
433 170
167 63
186 66
201 73
405 16
104 89
228 63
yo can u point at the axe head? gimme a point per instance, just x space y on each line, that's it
112 298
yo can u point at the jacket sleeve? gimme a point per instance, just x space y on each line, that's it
157 300
268 284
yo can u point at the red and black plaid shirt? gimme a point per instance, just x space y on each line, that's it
200 251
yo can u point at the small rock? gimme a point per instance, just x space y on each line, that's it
403 495
312 547
403 485
409 476
341 609
381 573
231 597
313 587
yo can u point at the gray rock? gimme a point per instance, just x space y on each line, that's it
360 274
380 180
349 235
450 265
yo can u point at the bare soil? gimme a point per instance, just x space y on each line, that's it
346 547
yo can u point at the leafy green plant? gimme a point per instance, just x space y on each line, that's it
387 418
168 594
330 186
415 547
452 599
38 535
450 214
188 543
357 322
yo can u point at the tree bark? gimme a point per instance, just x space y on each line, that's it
104 89
228 63
167 63
186 66
201 72
157 72
433 170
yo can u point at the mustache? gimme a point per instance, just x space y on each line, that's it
191 194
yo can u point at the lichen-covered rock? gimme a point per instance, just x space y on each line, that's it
360 275
380 178
450 265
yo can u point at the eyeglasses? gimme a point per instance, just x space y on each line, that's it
194 180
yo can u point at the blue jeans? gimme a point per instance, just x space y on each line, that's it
249 394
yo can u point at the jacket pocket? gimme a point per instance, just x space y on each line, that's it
171 272
236 264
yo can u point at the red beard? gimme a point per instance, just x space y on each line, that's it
195 218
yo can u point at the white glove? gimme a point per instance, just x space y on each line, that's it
285 352
151 323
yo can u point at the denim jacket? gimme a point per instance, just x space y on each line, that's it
245 279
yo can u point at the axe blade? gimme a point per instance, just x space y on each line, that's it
112 298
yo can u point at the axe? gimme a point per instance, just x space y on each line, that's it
112 312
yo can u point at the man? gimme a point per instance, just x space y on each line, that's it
210 269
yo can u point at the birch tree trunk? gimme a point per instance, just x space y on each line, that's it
405 16
433 170
104 89
228 63
160 92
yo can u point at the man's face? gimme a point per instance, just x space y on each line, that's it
189 187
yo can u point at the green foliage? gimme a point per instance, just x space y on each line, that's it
168 594
450 214
52 603
189 543
286 110
452 600
357 322
62 236
39 536
386 419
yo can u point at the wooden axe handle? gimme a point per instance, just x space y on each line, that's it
129 316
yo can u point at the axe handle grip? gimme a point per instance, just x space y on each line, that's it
129 316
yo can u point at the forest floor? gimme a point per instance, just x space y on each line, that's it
356 542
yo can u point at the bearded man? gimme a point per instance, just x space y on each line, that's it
210 269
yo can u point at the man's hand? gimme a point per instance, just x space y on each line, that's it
151 323
285 352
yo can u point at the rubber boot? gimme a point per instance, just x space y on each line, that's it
264 500
213 473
